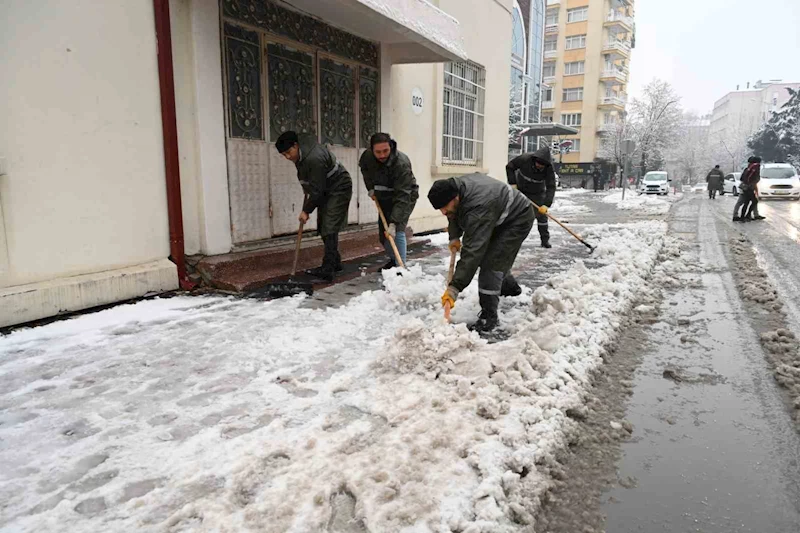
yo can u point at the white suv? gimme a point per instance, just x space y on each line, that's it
655 183
779 180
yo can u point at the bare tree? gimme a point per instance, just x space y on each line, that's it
515 118
611 146
655 121
691 157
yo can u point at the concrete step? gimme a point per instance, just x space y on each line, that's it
249 271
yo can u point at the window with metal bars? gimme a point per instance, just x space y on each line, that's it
464 97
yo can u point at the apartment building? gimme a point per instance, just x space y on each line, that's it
587 52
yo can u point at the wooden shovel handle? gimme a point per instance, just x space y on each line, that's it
450 273
388 236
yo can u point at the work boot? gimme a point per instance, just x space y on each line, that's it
510 286
546 244
321 272
759 217
389 264
737 219
486 322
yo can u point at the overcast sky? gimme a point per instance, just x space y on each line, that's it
704 48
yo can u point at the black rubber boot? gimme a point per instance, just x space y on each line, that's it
546 244
510 286
486 322
389 264
330 259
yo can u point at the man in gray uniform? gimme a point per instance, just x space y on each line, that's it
328 189
533 174
493 220
714 179
389 179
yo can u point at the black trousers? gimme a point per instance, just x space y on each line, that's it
331 258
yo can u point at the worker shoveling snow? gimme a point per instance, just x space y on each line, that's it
216 414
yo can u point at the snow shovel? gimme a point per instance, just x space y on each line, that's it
290 287
449 279
386 233
554 219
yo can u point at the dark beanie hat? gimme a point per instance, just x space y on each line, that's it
285 141
442 191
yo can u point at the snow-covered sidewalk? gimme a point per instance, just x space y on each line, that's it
219 414
643 203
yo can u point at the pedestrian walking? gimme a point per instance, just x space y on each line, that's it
534 176
596 175
488 222
390 180
752 213
749 181
714 180
328 189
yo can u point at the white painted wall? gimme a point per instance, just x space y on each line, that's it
486 27
80 126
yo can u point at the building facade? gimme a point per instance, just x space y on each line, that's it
740 113
85 216
587 53
527 40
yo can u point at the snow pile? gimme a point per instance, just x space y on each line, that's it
568 207
216 414
641 203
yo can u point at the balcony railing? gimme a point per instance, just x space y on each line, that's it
618 46
615 74
551 54
551 28
548 79
613 100
609 127
548 105
616 16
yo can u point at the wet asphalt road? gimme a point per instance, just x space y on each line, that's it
715 450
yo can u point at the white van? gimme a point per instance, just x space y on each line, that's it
655 183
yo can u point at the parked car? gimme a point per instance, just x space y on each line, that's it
779 180
699 187
732 184
655 183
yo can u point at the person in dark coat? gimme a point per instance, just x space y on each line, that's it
389 179
714 180
596 178
492 219
749 181
534 176
328 189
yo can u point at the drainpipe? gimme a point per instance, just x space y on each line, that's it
169 130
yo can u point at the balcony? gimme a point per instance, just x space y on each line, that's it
548 80
616 101
617 19
553 2
548 105
618 48
551 29
551 54
614 75
609 127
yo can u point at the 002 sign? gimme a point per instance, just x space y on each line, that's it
417 102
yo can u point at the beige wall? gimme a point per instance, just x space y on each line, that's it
486 27
85 191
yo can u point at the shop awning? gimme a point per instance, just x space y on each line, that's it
547 129
414 31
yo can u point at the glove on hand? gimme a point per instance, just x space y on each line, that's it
450 296
543 209
455 245
392 230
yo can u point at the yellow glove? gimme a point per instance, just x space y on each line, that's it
543 209
450 296
455 245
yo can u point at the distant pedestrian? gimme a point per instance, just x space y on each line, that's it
596 175
714 179
749 181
